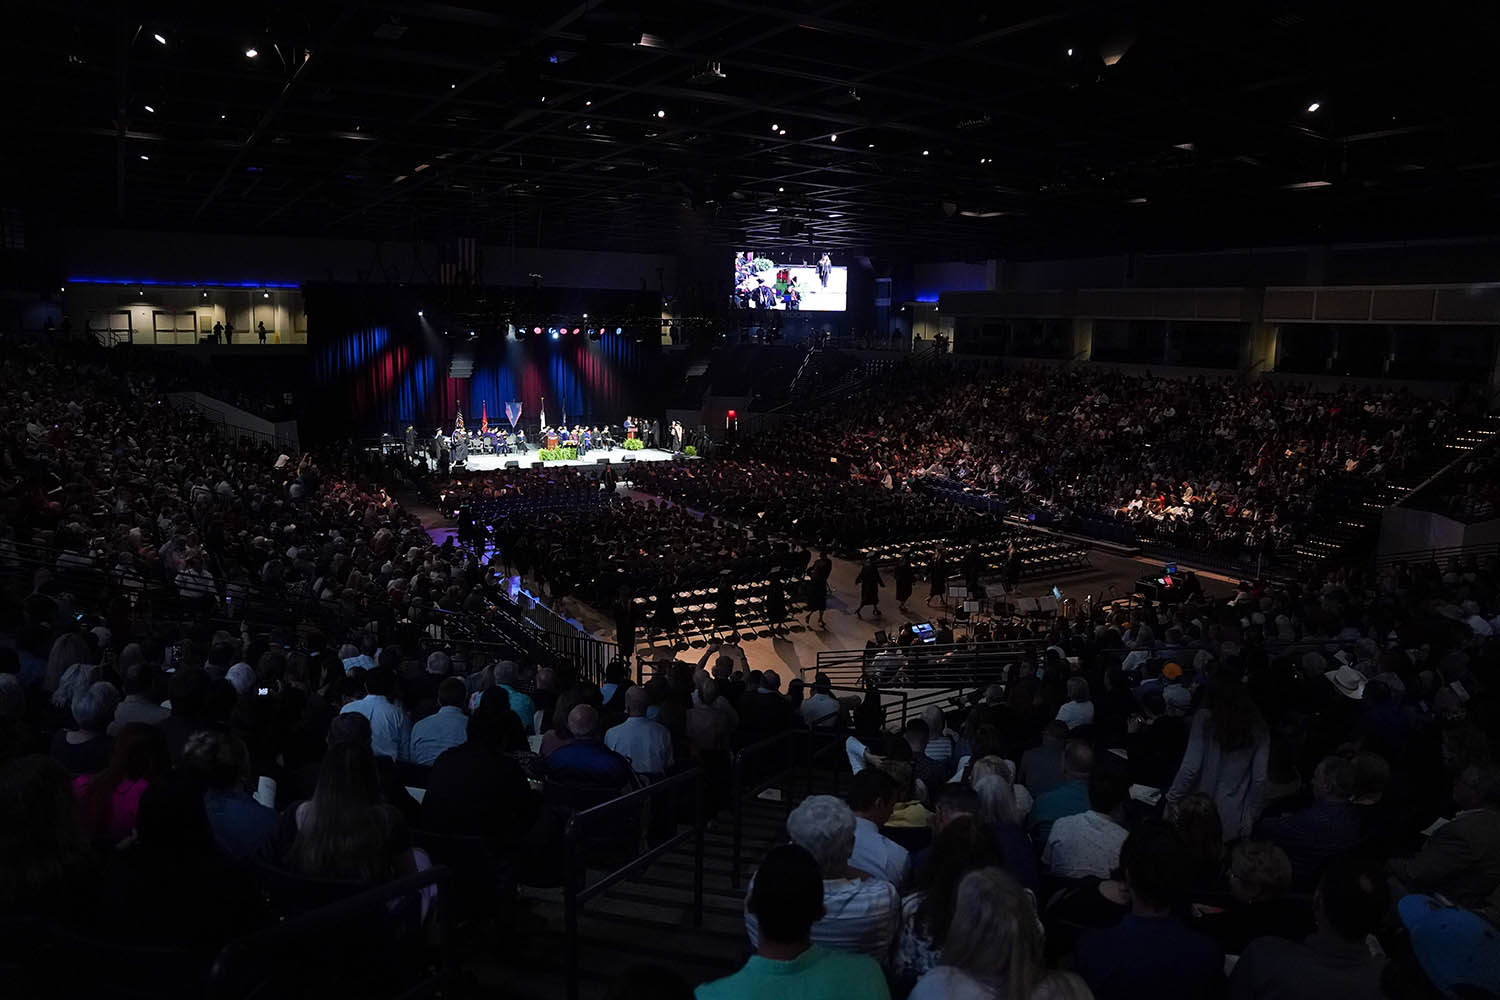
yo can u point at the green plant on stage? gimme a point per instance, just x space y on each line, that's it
633 444
557 454
691 451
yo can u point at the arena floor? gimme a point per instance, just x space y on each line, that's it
615 456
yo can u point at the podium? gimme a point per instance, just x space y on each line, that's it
551 439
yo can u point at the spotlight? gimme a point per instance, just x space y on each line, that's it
1070 53
159 39
575 331
471 333
833 137
265 295
619 330
779 189
251 53
145 157
782 132
660 113
149 109
595 334
205 295
554 334
588 104
64 288
775 127
925 152
419 314
1313 107
537 330
585 315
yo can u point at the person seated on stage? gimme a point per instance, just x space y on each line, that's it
588 439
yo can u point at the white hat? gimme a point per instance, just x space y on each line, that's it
1347 681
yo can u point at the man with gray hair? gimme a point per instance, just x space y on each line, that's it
860 913
647 744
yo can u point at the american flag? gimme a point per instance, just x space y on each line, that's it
460 264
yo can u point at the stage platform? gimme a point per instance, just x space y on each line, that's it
616 456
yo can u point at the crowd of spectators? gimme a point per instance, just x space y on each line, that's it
1216 465
1291 793
1301 777
818 505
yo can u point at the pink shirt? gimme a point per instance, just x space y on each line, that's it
119 822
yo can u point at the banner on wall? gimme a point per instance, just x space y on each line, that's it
484 418
513 413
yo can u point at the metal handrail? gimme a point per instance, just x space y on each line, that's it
575 895
946 665
306 926
1438 555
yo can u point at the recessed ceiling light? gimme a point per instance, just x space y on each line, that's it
925 152
1070 53
419 314
588 104
780 188
834 137
149 108
782 132
660 113
1313 107
775 127
159 39
870 146
251 53
222 117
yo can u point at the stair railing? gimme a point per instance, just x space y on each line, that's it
601 819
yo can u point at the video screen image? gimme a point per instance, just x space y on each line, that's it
762 283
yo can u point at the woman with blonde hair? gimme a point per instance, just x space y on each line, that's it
1001 819
993 950
1000 766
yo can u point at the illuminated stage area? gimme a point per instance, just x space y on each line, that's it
489 463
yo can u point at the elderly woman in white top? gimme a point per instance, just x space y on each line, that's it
860 913
1078 710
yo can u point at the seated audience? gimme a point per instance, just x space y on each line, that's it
390 729
445 728
1335 960
1087 844
347 830
860 912
1068 798
927 913
242 827
992 947
788 899
1078 710
86 748
1329 826
1151 952
1260 878
1042 766
1461 859
646 744
584 759
1001 815
476 788
872 798
109 801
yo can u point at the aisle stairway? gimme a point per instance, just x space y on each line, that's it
1360 523
648 920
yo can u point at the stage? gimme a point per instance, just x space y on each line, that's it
615 456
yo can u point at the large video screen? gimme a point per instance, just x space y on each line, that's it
763 283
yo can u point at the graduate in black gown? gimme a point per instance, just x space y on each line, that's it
937 575
869 587
905 577
817 588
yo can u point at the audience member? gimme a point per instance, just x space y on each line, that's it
444 729
646 744
872 798
992 948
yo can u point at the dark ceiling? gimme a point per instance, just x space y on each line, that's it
962 129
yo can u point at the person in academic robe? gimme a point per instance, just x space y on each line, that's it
937 575
905 577
869 587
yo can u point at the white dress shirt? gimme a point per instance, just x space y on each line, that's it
860 916
1083 845
648 745
818 707
443 730
389 728
1076 713
878 855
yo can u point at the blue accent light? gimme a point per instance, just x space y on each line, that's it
184 284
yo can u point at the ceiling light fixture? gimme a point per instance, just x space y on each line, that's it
661 113
780 189
1313 107
775 127
222 117
833 137
588 104
149 108
420 167
265 295
251 53
1136 201
1070 53
159 39
773 208
145 157
926 152
1304 185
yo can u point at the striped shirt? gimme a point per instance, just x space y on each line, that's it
860 916
1083 845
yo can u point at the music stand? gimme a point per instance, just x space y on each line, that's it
956 591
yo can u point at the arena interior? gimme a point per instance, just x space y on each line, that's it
797 501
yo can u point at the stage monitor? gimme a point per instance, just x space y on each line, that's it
924 632
806 286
